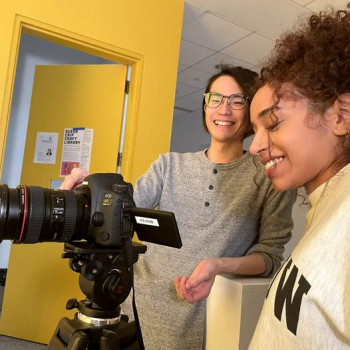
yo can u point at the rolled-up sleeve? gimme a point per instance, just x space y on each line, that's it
275 230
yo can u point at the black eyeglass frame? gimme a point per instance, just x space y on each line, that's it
243 97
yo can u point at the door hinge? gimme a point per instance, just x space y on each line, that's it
119 159
127 86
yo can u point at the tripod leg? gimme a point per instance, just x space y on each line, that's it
109 340
67 336
125 333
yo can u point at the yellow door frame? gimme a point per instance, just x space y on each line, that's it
91 46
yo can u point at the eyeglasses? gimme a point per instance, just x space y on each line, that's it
235 101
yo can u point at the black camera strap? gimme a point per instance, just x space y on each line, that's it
127 235
128 246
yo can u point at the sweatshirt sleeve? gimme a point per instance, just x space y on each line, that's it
149 186
275 230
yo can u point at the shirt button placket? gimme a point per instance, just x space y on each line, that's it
211 187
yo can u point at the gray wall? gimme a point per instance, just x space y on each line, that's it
188 134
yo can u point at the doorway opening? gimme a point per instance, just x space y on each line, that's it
33 51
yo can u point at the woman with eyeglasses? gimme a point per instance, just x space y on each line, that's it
229 217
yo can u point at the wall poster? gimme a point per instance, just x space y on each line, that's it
45 147
76 150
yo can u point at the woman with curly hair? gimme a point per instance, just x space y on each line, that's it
301 118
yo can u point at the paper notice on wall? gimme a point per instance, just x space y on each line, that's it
76 150
46 147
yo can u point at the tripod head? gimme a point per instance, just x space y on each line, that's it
105 276
106 280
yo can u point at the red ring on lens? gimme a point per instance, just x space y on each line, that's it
24 214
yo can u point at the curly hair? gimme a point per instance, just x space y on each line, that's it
314 59
245 78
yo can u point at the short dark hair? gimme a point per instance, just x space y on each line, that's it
245 78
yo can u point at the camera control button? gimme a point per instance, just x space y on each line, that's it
120 188
98 218
104 236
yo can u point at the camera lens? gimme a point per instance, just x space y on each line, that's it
31 214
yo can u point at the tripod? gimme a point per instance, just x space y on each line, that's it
106 280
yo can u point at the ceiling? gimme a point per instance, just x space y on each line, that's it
239 32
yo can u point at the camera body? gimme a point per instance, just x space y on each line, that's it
110 201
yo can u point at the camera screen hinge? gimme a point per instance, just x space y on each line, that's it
119 159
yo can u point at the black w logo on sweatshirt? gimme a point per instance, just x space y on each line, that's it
285 299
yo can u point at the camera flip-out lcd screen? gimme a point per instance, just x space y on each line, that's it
156 226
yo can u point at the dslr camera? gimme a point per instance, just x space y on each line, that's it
98 212
96 223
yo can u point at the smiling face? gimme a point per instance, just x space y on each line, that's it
294 153
225 124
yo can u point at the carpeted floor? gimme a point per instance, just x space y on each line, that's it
7 343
